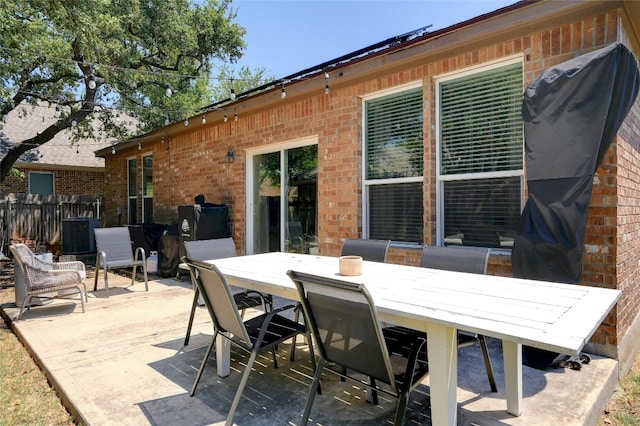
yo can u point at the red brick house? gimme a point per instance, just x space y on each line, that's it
355 149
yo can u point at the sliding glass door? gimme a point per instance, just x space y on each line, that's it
283 201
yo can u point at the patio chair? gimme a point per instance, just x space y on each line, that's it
348 335
372 250
297 239
219 248
473 260
262 333
114 250
42 277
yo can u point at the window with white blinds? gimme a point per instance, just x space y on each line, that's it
480 156
393 157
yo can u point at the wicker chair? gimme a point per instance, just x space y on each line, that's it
42 277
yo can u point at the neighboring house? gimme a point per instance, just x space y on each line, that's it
57 167
61 181
355 150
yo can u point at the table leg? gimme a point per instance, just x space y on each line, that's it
512 354
223 356
442 349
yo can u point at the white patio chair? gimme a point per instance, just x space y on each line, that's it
113 247
42 277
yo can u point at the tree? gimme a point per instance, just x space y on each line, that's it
94 60
240 80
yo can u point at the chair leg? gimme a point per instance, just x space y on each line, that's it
312 393
243 383
106 281
25 303
95 277
146 280
194 305
133 274
84 287
402 408
487 363
203 364
296 318
374 392
81 298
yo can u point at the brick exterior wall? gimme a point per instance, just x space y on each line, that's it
193 163
67 182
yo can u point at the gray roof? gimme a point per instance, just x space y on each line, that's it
24 122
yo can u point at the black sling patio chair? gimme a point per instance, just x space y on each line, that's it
220 248
261 333
473 260
372 250
348 335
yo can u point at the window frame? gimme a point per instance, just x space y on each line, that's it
143 188
130 214
440 178
43 173
368 183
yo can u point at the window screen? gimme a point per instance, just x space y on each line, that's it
481 156
394 166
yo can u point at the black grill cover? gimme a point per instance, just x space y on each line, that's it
571 114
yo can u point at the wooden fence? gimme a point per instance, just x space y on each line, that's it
38 218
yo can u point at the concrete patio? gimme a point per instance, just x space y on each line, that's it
124 362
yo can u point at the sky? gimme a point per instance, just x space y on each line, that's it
287 36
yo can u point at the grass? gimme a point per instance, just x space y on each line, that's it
27 398
624 407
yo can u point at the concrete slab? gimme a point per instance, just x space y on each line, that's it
123 362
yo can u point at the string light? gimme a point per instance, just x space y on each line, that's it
92 81
110 109
113 150
139 146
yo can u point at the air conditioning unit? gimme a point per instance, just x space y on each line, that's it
77 235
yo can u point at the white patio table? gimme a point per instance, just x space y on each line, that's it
547 315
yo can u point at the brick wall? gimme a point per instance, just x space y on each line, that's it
193 163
